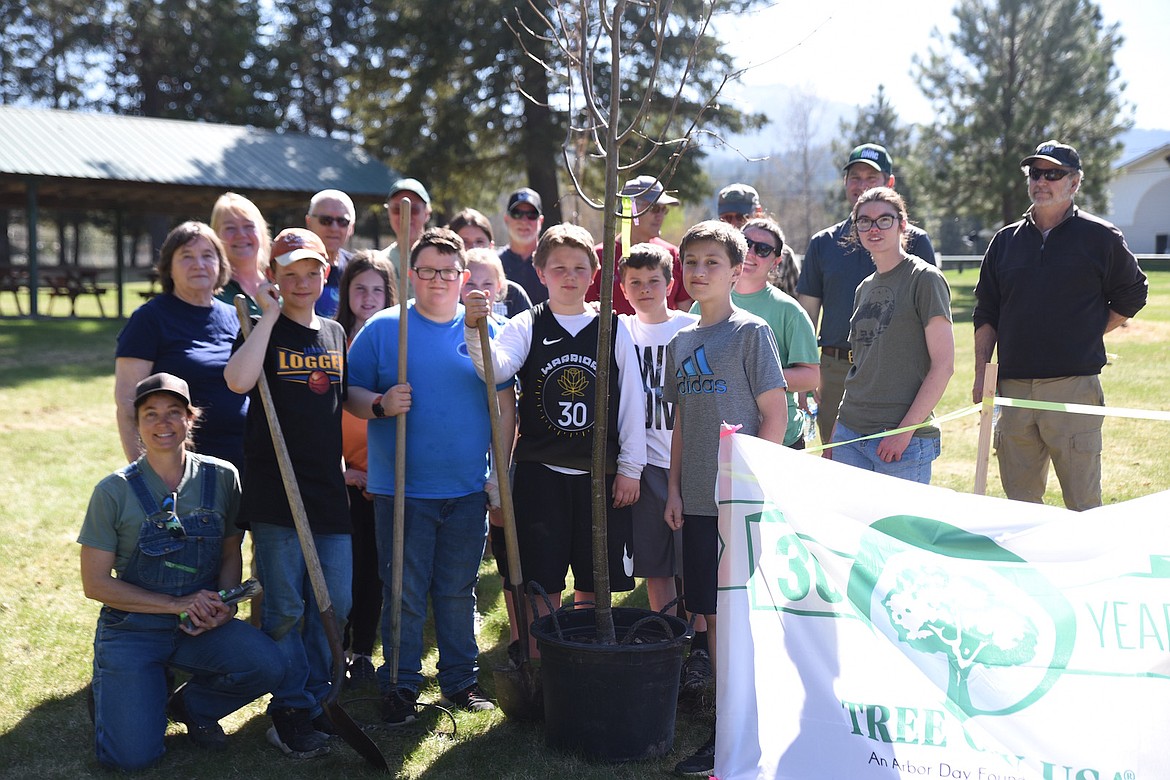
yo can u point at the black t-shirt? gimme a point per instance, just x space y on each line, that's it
556 407
306 371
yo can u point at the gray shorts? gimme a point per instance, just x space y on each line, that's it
657 549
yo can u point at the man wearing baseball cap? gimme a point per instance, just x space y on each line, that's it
302 356
420 214
524 218
737 203
832 269
650 202
1050 287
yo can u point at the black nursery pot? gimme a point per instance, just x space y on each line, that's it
611 703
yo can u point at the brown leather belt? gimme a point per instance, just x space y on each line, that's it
840 354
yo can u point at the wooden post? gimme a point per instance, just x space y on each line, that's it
986 417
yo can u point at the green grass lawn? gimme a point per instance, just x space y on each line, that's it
58 438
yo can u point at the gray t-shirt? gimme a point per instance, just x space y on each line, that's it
714 375
888 336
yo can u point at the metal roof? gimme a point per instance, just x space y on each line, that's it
87 160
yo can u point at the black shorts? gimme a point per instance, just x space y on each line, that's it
700 535
555 529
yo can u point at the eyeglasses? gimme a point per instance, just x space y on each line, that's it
328 221
528 214
759 248
427 274
733 218
884 222
173 525
1048 174
657 210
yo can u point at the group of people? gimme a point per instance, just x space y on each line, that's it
704 333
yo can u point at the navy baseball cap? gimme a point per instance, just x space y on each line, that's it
526 195
872 155
649 189
1056 153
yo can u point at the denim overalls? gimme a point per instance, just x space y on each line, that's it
230 665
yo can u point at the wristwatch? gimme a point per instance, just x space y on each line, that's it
376 406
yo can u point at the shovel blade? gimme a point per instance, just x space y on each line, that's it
353 735
519 692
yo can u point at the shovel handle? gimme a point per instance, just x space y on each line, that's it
500 459
404 247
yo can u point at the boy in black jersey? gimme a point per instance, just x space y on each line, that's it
552 349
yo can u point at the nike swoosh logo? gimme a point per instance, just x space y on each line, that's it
548 342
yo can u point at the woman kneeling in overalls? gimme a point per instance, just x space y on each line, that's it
166 525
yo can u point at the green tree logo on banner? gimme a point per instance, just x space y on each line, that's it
1005 633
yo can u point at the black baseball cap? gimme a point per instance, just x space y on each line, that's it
161 383
526 195
1056 153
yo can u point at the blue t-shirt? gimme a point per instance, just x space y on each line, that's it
448 431
194 343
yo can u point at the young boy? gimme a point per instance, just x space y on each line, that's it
796 340
552 349
303 357
646 282
724 368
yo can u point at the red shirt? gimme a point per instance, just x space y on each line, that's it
620 304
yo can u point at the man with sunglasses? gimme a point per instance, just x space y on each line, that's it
331 217
650 203
831 270
523 218
1050 287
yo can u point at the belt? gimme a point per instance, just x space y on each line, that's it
840 354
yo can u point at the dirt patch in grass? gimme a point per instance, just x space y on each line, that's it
1141 331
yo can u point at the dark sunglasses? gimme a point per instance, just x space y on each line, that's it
328 221
527 214
173 525
1048 174
760 249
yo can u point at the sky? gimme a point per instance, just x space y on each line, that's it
823 47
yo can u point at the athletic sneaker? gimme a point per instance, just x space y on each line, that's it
696 673
471 699
361 671
701 763
399 707
209 737
292 731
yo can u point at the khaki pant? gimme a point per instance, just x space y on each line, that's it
1026 440
833 371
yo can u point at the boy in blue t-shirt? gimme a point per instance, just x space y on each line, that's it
724 368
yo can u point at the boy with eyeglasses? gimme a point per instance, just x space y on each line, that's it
331 217
523 218
650 203
552 350
446 472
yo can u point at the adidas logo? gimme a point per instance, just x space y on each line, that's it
695 376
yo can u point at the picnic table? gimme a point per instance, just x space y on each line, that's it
72 282
13 279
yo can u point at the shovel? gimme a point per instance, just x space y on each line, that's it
517 688
350 731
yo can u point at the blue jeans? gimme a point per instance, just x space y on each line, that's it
442 550
288 597
230 666
914 465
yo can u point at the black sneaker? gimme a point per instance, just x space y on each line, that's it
471 699
292 731
361 671
399 707
701 763
696 673
208 737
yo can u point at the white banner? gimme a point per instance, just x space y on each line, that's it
871 627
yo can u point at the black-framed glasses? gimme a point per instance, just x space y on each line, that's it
759 248
328 221
1048 174
173 525
529 214
884 222
426 273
